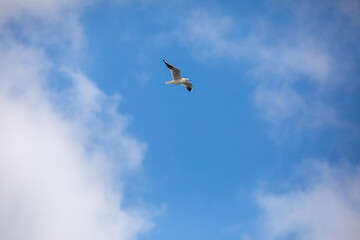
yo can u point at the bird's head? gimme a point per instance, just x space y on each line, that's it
188 80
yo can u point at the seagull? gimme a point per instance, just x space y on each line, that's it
177 79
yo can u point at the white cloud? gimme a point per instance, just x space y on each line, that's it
62 154
298 66
42 22
209 32
283 57
286 109
42 9
327 207
302 59
213 35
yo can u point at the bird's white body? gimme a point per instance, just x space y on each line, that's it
177 79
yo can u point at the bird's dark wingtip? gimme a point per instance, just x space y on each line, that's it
168 65
189 89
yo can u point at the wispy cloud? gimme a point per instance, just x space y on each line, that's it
63 150
209 34
43 23
288 110
301 57
283 56
326 207
213 36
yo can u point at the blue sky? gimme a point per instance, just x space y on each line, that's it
265 147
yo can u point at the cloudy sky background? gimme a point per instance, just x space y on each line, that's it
94 145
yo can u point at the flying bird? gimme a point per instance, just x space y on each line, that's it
177 79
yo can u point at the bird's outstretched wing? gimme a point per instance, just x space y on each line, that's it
175 72
188 86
